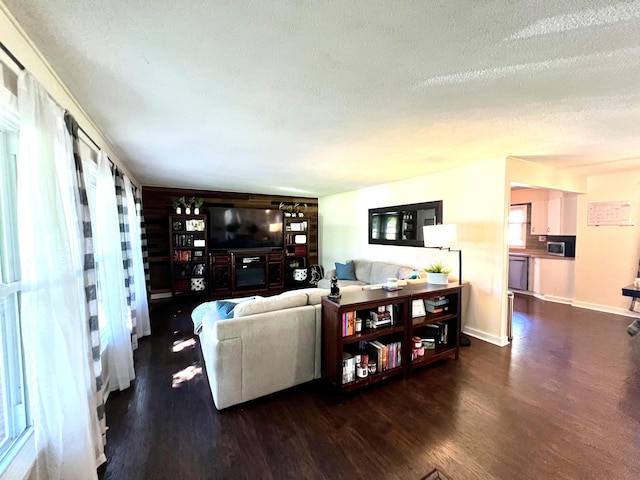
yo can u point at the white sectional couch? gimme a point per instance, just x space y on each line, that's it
270 344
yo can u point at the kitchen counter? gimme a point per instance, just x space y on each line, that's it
524 252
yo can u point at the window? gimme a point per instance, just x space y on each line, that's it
518 226
13 404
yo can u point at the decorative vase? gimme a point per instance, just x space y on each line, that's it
438 278
178 210
196 211
187 210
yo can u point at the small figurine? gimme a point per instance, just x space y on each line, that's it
335 291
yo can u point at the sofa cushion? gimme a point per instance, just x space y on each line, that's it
381 271
225 308
315 297
363 270
345 271
405 272
269 304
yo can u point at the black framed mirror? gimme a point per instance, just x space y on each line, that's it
402 224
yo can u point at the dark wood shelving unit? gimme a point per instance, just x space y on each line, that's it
158 207
296 251
450 318
404 328
188 254
334 344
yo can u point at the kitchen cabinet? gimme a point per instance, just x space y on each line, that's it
553 278
539 217
562 215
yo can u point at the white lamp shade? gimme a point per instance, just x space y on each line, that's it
440 235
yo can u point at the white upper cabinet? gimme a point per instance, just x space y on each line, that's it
539 214
562 215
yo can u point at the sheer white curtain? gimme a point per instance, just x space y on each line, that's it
53 312
111 281
140 288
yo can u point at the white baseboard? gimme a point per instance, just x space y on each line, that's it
589 306
472 332
606 309
552 298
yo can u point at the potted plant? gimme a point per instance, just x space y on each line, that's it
176 203
438 273
197 203
187 205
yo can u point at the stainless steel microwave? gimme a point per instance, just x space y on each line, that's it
556 248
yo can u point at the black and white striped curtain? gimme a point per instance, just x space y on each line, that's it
145 249
90 285
127 254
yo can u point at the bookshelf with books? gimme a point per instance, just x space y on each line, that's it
188 254
363 338
379 330
435 326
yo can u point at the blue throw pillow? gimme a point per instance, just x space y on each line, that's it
225 308
345 271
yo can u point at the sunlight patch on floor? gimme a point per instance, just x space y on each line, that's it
185 375
180 345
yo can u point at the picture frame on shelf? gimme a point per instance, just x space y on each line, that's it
198 269
417 308
178 225
195 225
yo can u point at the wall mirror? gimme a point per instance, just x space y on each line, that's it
402 224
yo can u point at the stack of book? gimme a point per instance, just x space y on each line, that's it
381 317
387 356
348 323
438 333
348 368
436 304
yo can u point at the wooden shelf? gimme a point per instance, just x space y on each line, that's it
372 334
182 241
405 327
371 379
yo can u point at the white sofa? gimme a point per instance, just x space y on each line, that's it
271 344
369 273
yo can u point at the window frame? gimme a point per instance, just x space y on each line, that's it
519 227
17 429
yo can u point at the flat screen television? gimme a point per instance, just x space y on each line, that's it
245 228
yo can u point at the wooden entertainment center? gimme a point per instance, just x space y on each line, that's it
234 274
282 267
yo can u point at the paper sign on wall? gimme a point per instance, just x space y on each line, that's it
609 213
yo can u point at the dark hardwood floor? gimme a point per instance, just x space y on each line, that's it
561 402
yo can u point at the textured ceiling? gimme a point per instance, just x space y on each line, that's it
314 98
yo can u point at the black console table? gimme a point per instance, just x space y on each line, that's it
631 291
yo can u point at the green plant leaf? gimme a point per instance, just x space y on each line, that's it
437 267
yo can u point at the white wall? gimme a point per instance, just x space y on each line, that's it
474 197
527 173
607 256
